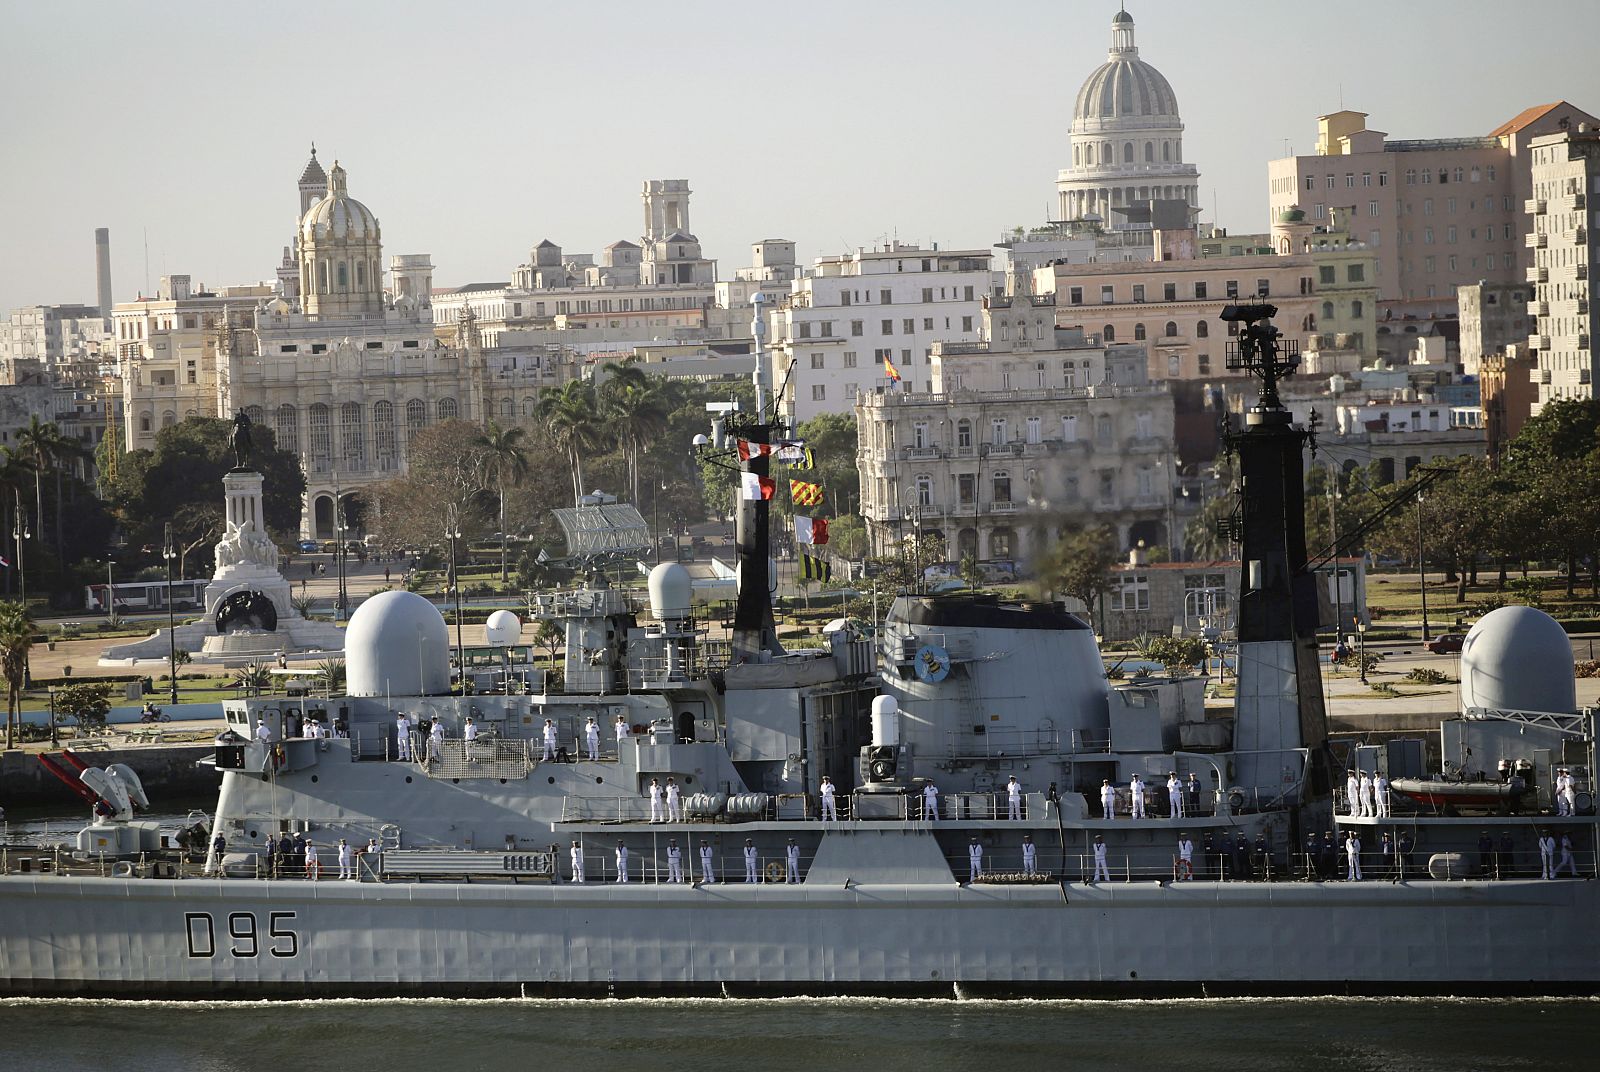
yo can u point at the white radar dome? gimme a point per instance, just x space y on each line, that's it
397 645
1518 659
671 591
502 629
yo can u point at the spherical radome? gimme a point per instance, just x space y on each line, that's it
1518 659
397 645
671 591
502 628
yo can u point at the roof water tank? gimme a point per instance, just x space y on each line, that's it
397 645
671 591
1518 659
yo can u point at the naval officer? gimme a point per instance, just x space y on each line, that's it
655 800
974 859
1191 795
830 807
436 740
1101 872
313 867
930 802
1565 863
591 738
219 846
1185 869
1108 798
792 861
1547 855
1352 792
1136 797
674 862
622 732
1380 795
674 802
1013 799
347 860
1175 794
549 740
1367 809
1030 855
622 861
577 862
402 737
750 861
1352 851
705 863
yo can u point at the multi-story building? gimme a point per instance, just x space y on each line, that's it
52 335
1346 287
1173 307
998 466
1493 316
843 319
1508 390
1439 213
1565 171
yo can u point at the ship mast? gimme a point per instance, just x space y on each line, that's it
1279 713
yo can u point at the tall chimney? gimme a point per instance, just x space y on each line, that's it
102 270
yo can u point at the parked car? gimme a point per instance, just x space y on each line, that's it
306 546
1445 643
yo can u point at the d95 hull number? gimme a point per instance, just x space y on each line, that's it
241 936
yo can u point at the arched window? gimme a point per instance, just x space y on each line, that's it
1127 152
1327 310
352 437
361 275
144 422
257 415
322 277
1106 156
416 419
383 433
1109 333
1149 152
321 435
1172 329
964 434
1357 309
447 409
1001 487
528 406
1166 152
1202 330
286 422
1138 332
344 275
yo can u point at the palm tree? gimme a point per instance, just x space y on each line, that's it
632 402
504 455
16 637
38 442
573 420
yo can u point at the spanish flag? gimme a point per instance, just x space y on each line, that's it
889 370
803 493
815 569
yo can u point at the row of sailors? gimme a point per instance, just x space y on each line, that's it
550 736
790 870
1494 861
292 854
1183 797
1366 795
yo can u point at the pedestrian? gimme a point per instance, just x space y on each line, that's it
386 575
1569 793
674 802
751 862
706 874
930 802
1174 795
622 732
1013 799
1312 851
577 862
1030 856
1136 797
792 860
219 846
1101 871
1352 793
591 738
674 862
549 741
1561 791
1183 870
974 860
313 866
347 860
1380 793
1565 863
402 736
1108 799
1352 849
622 861
1367 808
830 807
655 800
1547 855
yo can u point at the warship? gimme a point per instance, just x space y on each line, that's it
958 802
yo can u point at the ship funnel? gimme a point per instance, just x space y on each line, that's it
885 722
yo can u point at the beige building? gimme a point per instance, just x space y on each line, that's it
1493 317
1346 287
1509 389
1007 455
1173 307
1565 171
1439 213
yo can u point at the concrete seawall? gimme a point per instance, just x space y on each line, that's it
167 771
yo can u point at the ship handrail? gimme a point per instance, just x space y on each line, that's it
1012 743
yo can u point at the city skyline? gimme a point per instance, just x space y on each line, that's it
855 127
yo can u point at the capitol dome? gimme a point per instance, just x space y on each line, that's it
338 215
397 645
1125 87
1518 659
340 255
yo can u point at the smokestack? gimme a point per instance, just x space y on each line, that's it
102 268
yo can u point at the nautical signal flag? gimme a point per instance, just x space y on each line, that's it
812 530
749 449
790 450
804 493
804 458
757 487
889 370
815 569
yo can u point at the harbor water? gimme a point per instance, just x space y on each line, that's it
1406 1035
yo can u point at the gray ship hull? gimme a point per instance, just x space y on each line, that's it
248 938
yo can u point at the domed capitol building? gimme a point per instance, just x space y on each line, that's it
1127 140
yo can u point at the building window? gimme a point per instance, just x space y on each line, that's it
966 488
966 323
1109 333
1138 333
1325 274
1075 295
1069 429
850 390
886 327
1131 592
819 392
849 359
1169 292
1203 364
1138 292
1002 487
1356 309
857 327
817 361
1069 375
1202 330
1103 428
1107 295
1033 429
1200 291
964 434
908 327
997 431
1383 178
924 490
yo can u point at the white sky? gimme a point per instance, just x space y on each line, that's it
473 130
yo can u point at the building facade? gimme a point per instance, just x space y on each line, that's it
1565 171
1508 382
52 336
1493 317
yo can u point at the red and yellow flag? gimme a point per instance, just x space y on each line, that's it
804 493
889 370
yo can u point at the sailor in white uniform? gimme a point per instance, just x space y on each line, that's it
549 740
1352 793
402 734
706 874
974 859
792 860
263 732
1030 855
1136 797
1566 863
1564 792
591 738
1175 794
830 806
1365 787
1185 869
1101 871
436 739
674 802
751 862
577 862
347 860
313 867
1352 850
1547 855
622 732
930 802
1380 795
674 862
1013 799
622 861
1108 798
655 800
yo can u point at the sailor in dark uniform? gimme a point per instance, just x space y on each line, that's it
1313 872
1485 855
1402 854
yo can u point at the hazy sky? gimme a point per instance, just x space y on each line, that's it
475 129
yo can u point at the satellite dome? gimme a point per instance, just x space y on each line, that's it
1518 659
671 591
502 629
397 645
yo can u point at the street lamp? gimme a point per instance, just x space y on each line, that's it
453 533
169 554
339 531
1361 649
19 532
1422 571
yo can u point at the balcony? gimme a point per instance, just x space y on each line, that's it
1534 206
1583 306
1583 342
1538 342
1583 272
1541 274
1580 237
1002 508
1541 308
921 453
1536 241
1579 201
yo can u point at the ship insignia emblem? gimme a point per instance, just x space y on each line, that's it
932 663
